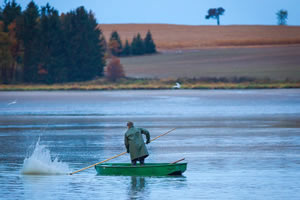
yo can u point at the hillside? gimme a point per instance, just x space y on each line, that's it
170 37
275 63
212 51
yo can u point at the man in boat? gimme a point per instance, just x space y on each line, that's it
135 144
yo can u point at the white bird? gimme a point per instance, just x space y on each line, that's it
177 86
13 102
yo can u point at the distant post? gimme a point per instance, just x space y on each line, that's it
215 14
282 16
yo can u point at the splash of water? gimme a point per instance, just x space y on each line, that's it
40 163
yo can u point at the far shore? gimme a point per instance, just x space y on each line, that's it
154 84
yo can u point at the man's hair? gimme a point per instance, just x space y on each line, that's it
130 124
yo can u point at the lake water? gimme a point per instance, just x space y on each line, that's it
239 144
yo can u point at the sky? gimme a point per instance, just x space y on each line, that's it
188 12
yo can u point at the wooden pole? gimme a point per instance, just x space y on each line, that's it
162 134
177 161
117 155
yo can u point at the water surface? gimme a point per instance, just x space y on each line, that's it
239 144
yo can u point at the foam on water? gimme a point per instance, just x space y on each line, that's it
41 163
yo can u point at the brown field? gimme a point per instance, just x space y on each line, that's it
275 63
170 37
214 51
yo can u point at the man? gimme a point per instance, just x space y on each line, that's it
135 144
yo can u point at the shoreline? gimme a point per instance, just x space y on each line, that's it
159 86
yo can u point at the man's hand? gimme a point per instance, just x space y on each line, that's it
148 142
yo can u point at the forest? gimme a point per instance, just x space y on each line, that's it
40 45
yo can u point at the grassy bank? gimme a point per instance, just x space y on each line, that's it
134 84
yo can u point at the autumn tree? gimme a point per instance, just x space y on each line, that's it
114 69
215 13
9 54
10 12
149 45
115 44
282 16
15 49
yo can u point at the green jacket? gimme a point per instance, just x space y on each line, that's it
134 142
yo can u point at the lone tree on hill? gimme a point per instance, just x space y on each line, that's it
114 69
282 16
215 14
149 44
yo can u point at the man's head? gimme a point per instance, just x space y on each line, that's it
129 124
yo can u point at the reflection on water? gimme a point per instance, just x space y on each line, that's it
41 187
137 188
239 144
168 186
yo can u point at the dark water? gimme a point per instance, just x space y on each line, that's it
239 144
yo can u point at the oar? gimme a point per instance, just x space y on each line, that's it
177 161
118 154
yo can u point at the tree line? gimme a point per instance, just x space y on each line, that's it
39 45
138 45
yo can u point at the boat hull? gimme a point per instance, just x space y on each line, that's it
150 169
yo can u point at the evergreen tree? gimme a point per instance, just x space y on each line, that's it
126 50
6 58
137 45
84 52
103 43
115 44
10 13
28 33
1 16
149 44
51 49
28 23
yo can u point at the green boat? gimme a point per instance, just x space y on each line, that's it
149 169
